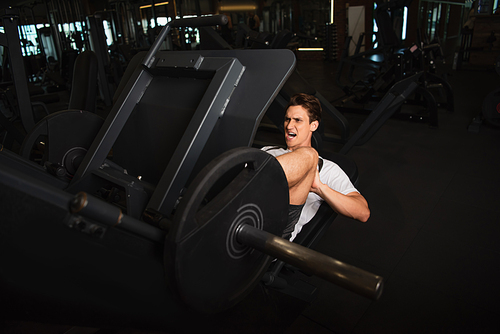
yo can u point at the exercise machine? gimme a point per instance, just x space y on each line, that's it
405 63
170 216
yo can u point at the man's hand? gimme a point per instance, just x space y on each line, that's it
317 184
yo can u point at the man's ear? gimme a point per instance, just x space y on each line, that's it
314 126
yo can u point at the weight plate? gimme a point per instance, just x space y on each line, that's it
491 108
209 269
66 134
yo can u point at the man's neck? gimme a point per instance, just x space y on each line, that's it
291 149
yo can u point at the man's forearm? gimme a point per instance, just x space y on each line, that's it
352 205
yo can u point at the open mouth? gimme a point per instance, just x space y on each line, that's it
291 135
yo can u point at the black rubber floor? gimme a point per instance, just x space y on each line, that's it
434 226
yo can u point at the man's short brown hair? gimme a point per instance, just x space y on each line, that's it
309 103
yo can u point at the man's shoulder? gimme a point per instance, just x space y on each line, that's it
333 175
330 169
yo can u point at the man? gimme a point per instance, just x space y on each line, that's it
311 183
253 21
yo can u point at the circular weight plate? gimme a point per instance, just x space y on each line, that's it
67 135
209 269
491 108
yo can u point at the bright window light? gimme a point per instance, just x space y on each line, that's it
375 29
108 32
162 21
405 23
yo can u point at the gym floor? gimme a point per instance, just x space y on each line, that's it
433 228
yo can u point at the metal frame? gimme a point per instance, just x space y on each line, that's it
10 39
98 41
227 71
430 5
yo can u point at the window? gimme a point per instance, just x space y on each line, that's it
28 38
404 25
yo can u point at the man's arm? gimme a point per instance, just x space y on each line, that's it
352 205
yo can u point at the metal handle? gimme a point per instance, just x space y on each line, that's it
105 213
190 22
347 276
205 21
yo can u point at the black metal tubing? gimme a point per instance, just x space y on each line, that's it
149 58
10 39
343 59
114 123
192 22
99 46
228 71
349 277
14 177
110 215
356 52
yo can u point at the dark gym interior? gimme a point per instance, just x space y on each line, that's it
427 169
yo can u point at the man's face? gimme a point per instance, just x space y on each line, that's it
298 130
